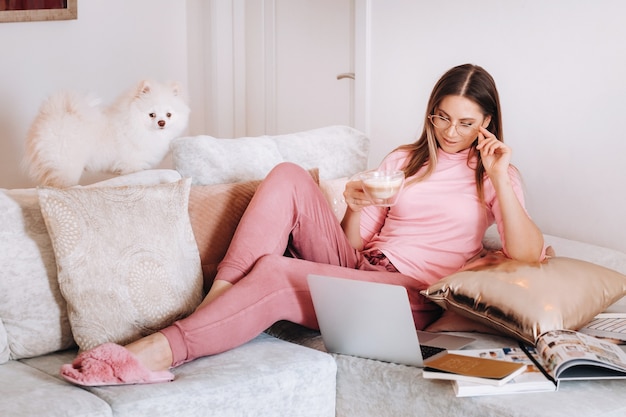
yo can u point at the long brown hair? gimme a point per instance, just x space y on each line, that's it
469 81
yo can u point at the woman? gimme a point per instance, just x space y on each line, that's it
459 182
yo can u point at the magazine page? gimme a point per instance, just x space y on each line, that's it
532 380
567 354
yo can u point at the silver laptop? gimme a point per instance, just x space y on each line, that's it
374 321
608 327
610 324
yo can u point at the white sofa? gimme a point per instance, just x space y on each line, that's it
285 371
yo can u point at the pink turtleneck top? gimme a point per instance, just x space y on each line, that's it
437 224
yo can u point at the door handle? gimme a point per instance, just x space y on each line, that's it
345 75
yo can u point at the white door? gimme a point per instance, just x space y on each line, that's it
299 63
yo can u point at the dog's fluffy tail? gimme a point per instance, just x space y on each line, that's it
57 144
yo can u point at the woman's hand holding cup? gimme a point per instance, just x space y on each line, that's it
378 188
354 196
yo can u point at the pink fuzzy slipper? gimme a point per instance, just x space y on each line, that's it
110 364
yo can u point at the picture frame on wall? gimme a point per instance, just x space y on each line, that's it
37 10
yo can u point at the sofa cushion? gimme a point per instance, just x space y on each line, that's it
27 392
208 160
32 310
264 377
5 354
525 300
215 211
337 151
127 259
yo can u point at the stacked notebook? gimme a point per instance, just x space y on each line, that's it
512 371
557 356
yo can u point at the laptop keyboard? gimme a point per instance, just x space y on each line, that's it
614 328
428 351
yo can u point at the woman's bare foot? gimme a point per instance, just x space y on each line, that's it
218 288
153 352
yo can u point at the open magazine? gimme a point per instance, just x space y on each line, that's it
559 355
568 355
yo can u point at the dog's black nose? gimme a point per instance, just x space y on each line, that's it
161 123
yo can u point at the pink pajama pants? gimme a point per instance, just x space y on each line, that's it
288 214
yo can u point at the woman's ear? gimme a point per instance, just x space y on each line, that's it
487 121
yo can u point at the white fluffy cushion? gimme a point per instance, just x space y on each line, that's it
208 160
524 300
337 151
127 258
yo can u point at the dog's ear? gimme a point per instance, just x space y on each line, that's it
176 88
144 88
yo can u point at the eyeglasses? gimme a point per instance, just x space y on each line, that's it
463 129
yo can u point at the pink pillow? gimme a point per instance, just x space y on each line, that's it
215 211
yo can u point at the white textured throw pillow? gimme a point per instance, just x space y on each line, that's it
337 151
127 258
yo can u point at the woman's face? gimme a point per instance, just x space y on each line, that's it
460 114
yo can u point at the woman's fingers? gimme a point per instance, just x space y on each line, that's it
354 196
488 144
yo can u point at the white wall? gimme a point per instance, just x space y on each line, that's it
111 46
560 66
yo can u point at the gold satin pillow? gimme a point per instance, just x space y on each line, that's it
524 300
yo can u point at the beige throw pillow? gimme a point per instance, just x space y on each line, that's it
524 300
215 211
127 260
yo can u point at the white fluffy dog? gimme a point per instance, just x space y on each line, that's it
72 133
